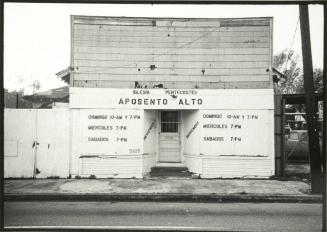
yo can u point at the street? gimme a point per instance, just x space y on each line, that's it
222 216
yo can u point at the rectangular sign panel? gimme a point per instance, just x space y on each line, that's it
107 132
240 133
171 98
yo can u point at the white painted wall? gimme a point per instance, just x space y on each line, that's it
236 167
110 98
126 153
127 166
242 147
193 163
19 136
149 161
192 129
150 140
191 140
50 129
254 133
150 131
53 136
252 156
209 158
122 138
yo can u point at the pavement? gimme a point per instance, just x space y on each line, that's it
161 216
160 189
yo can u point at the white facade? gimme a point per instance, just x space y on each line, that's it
230 134
147 92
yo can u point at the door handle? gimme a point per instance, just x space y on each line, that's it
35 144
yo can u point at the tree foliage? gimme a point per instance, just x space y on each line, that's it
36 86
317 82
287 63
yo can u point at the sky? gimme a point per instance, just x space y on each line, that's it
37 35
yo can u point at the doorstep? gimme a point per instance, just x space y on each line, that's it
164 164
176 172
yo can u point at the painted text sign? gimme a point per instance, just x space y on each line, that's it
236 132
171 98
110 132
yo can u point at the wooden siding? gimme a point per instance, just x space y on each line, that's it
226 53
118 167
193 163
174 84
232 168
215 167
149 161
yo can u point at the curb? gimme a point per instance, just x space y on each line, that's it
167 197
120 228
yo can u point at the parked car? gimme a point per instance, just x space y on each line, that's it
297 146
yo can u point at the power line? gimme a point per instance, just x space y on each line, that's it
289 53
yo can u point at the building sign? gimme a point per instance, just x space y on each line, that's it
171 98
110 132
235 132
229 123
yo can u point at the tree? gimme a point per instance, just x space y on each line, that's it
36 86
287 64
317 82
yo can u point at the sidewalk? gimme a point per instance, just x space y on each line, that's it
217 190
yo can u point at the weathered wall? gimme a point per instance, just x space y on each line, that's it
178 53
36 137
53 136
237 143
19 137
150 131
111 167
191 140
191 121
104 98
236 167
150 140
231 143
204 152
107 142
236 132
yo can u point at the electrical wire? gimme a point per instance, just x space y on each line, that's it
290 50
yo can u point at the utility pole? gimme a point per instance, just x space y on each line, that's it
17 101
311 104
324 144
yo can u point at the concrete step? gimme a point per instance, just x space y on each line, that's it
170 171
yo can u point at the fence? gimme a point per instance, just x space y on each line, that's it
36 143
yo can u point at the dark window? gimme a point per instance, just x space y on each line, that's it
169 121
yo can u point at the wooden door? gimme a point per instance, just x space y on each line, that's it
169 139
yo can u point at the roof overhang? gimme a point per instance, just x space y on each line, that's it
64 74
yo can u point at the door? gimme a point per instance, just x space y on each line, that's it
169 139
36 143
19 142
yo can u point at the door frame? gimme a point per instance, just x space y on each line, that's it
180 132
